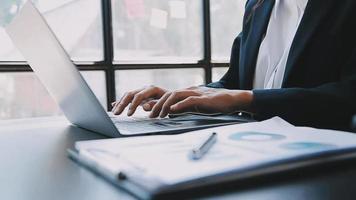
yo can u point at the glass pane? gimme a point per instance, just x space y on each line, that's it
127 80
164 31
97 83
22 95
226 24
218 73
77 24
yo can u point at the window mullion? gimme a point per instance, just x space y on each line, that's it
108 51
207 41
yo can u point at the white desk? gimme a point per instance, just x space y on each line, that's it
34 165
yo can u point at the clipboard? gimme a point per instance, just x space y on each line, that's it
155 190
143 184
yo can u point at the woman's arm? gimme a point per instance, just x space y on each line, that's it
328 106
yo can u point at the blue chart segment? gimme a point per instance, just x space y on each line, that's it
255 137
307 146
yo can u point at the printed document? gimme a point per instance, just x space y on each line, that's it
241 146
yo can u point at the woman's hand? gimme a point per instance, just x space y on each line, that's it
195 99
147 97
202 100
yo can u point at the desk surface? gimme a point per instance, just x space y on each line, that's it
34 165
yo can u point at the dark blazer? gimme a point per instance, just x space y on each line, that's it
319 86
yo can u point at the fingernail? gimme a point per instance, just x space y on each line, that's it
146 106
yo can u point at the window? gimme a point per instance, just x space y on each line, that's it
120 45
81 34
156 31
226 24
218 72
22 95
168 78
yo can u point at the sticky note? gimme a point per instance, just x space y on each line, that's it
135 8
178 9
159 18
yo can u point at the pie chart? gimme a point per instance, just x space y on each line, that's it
307 146
255 137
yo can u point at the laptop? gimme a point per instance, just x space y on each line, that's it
52 65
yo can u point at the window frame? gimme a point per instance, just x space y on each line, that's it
109 66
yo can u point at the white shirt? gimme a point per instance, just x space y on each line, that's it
274 50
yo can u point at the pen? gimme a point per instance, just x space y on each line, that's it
202 149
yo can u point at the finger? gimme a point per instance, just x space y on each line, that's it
141 97
190 104
125 100
174 98
113 105
149 105
136 101
116 103
121 105
157 108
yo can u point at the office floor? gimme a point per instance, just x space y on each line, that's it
34 165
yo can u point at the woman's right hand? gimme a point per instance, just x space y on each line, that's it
147 97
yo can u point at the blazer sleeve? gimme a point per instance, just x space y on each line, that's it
230 79
331 105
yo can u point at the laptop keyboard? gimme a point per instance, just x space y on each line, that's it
140 124
144 124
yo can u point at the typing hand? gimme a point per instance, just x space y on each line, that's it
202 100
147 97
195 99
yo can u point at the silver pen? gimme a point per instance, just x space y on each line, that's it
203 148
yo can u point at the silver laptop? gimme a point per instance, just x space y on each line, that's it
54 68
